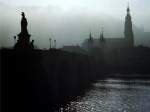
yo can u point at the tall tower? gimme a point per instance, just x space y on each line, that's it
128 31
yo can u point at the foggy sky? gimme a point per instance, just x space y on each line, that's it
69 21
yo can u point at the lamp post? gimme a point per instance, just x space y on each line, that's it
50 42
55 44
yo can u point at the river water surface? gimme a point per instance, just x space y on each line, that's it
113 96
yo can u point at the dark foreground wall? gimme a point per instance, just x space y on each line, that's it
124 61
39 80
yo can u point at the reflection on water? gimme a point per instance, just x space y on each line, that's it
114 96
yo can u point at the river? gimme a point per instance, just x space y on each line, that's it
113 96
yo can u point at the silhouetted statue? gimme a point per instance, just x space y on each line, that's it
24 24
23 41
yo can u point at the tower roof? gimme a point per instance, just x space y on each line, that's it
128 8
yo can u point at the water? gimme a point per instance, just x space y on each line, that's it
113 96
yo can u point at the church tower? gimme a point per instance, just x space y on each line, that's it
128 31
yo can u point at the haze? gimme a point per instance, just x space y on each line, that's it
69 21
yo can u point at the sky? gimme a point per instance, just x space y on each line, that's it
52 10
141 7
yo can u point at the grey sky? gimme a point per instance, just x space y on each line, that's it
77 16
140 8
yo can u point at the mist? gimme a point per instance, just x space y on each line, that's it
75 55
69 22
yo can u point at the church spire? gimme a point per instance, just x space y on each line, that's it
128 31
102 36
90 40
128 9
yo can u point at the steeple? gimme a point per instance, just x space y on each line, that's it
128 9
90 40
102 36
128 31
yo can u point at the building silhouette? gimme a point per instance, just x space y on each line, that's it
90 41
23 41
128 31
110 44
